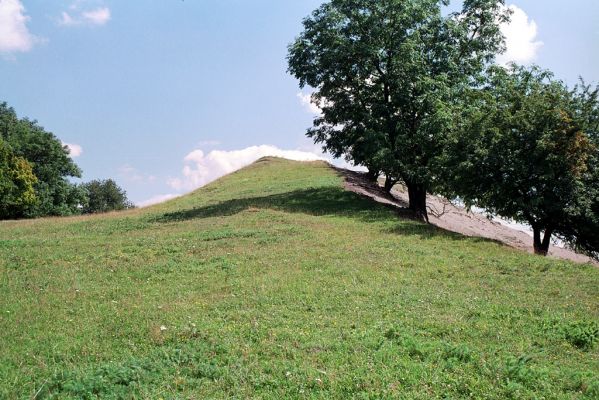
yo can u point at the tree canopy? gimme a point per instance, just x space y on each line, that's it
388 73
582 228
35 172
526 152
50 161
104 196
16 183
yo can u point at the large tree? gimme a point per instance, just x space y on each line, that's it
51 162
16 184
525 152
387 74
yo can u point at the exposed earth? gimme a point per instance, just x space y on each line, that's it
451 217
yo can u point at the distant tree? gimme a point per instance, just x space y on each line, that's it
387 74
525 152
51 164
16 184
104 196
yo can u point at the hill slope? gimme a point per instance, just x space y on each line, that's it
275 282
448 216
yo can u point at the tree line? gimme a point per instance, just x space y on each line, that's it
414 94
35 173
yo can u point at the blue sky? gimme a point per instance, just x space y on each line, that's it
159 94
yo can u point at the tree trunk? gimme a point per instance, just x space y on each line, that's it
541 247
389 183
417 196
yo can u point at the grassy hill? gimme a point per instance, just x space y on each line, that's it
274 282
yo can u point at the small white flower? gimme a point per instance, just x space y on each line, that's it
162 328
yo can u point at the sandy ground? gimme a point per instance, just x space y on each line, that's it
454 218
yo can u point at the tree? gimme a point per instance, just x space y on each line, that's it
524 152
51 164
104 196
582 228
16 183
387 74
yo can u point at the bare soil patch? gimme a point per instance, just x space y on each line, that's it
445 215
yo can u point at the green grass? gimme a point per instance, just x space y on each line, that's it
274 283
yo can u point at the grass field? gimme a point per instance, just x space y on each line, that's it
274 282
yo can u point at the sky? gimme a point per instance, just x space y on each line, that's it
166 95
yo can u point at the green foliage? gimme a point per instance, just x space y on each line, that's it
521 378
104 196
523 151
583 220
192 363
461 353
582 334
274 282
517 369
387 75
16 183
51 164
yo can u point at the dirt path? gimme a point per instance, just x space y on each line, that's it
453 218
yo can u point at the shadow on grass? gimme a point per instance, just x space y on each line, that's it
328 201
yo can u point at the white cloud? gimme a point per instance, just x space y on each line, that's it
131 174
306 101
14 34
75 150
521 38
201 168
67 20
161 198
98 16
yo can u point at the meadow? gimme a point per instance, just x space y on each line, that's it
274 282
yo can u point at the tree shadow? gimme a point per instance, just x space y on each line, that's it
319 202
327 201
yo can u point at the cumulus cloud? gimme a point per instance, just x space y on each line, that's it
75 150
161 198
521 38
14 34
98 16
201 168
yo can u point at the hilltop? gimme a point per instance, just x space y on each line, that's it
276 282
